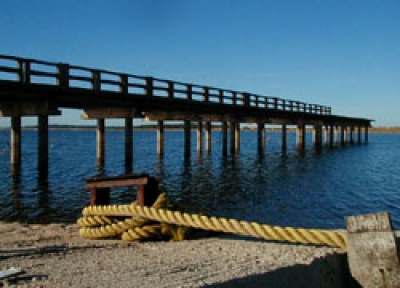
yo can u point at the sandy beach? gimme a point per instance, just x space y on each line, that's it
55 256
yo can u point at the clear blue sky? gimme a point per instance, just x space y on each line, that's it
342 53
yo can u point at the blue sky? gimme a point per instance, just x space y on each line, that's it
342 53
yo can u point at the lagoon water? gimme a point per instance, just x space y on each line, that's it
314 190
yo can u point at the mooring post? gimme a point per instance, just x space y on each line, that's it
128 142
100 142
199 137
187 136
43 144
224 138
160 137
372 250
15 141
208 137
261 138
284 138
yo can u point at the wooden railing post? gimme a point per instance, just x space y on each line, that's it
96 80
123 86
27 72
206 94
170 90
149 87
189 92
246 99
221 96
63 75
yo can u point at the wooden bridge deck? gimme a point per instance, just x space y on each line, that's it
59 85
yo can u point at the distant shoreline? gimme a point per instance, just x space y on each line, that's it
179 128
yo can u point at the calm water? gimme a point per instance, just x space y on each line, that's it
313 190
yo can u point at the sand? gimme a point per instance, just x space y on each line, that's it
54 256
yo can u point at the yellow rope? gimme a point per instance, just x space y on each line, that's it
102 226
335 238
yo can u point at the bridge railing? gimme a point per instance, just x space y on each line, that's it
65 76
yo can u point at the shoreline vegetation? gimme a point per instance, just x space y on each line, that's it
178 127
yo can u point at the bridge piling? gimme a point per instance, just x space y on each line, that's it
15 141
342 135
237 138
261 138
199 137
224 138
100 142
160 137
208 137
301 139
284 138
233 138
331 135
351 135
187 136
128 143
43 144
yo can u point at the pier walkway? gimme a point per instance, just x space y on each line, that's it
31 87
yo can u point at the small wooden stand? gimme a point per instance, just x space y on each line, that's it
100 188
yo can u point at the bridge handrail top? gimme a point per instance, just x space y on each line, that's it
163 80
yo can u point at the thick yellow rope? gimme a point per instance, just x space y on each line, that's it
102 226
335 238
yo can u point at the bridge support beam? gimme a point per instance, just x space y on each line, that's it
43 145
331 136
342 135
261 138
100 142
199 137
160 137
359 134
233 141
15 141
352 135
317 137
208 137
128 143
284 138
187 136
237 138
366 134
224 137
301 136
337 134
345 134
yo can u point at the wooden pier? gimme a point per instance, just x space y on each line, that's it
31 87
